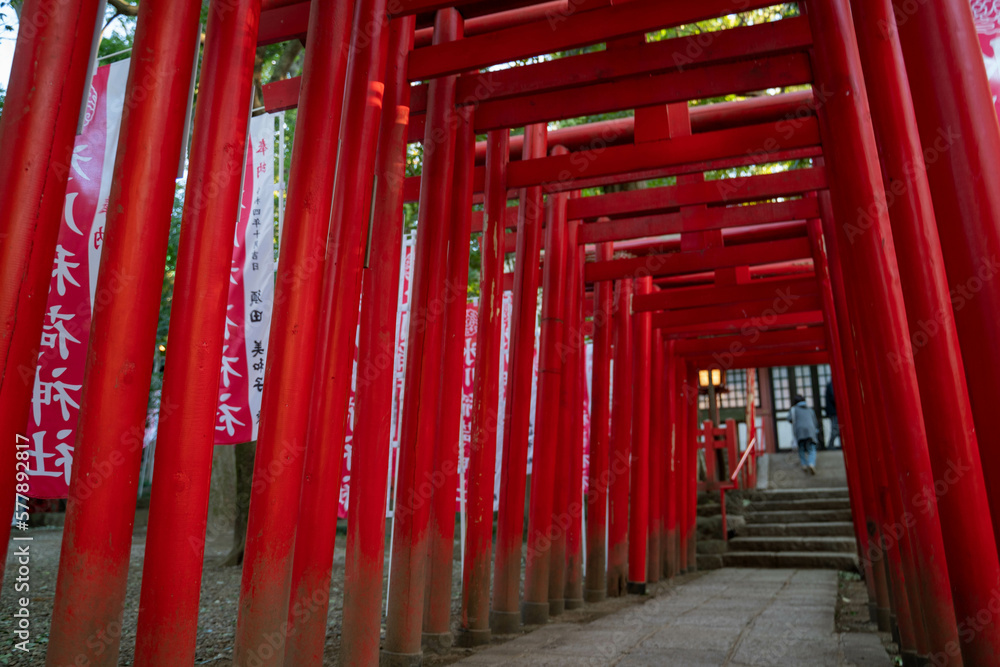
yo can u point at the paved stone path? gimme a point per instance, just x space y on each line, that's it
732 617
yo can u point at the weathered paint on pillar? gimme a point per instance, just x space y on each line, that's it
417 480
437 603
856 187
281 443
505 615
597 489
958 129
657 445
363 569
175 541
951 434
574 385
482 458
543 532
621 443
97 539
638 537
348 235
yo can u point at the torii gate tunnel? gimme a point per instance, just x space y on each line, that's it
857 257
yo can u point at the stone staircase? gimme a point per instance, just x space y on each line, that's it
799 521
800 528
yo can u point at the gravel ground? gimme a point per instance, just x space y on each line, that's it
219 598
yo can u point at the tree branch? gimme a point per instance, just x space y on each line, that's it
124 7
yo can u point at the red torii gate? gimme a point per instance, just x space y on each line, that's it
854 238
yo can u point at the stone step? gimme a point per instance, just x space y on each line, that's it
798 505
799 516
793 559
819 529
710 561
801 494
711 546
785 544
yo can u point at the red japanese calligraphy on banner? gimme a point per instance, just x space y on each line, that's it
251 293
55 404
987 17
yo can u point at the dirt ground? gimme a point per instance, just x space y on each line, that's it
219 597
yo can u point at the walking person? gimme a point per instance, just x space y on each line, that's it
831 412
805 430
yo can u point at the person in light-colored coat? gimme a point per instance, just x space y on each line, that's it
805 430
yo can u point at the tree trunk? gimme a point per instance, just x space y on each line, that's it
244 453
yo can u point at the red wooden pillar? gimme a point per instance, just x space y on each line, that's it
954 450
889 544
621 443
892 538
861 440
482 460
958 130
672 444
732 450
712 474
543 535
337 331
363 570
97 540
908 613
168 614
37 132
597 489
576 349
505 616
417 481
264 591
657 443
437 603
849 145
691 506
685 446
639 491
859 484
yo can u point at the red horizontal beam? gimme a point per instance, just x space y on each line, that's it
673 55
762 360
695 297
568 32
756 313
699 219
756 340
756 142
648 201
730 162
406 7
283 22
777 270
782 321
692 262
730 237
644 91
478 25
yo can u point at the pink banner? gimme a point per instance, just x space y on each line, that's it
55 405
251 293
987 18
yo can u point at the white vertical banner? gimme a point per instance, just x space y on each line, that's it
251 293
